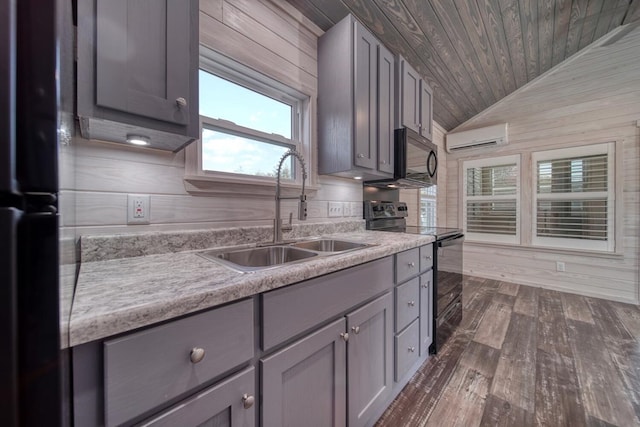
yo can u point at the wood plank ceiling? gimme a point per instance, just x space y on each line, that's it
475 52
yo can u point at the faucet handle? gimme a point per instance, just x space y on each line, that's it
288 226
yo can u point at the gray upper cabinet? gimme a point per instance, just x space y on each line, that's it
138 70
415 100
356 95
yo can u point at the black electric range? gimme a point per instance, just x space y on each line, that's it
447 265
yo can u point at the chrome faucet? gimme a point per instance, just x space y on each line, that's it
278 227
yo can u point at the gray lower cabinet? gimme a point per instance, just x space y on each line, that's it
127 379
137 70
369 359
310 381
230 403
356 102
413 309
426 312
304 383
415 100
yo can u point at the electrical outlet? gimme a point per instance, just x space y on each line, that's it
560 266
335 209
138 206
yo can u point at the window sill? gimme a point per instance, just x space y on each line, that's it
578 252
236 186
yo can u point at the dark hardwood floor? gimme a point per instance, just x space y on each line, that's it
529 357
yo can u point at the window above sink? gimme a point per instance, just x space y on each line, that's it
247 122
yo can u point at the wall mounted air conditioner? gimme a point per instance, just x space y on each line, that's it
489 136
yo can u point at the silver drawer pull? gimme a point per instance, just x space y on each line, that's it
344 336
383 162
411 303
360 156
355 329
412 349
181 102
248 401
411 264
197 354
428 257
425 286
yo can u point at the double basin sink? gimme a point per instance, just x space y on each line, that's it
261 258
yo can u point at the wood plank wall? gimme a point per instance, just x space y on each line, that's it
592 97
271 37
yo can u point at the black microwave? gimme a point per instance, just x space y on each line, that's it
415 162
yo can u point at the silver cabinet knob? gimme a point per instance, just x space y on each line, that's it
384 162
426 285
248 401
181 102
428 257
196 355
412 349
344 336
355 329
360 156
411 264
411 303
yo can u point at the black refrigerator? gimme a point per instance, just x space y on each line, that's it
31 359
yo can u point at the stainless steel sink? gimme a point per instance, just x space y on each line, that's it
264 257
329 245
253 259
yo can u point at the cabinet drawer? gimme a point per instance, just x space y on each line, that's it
407 303
290 311
145 369
232 400
407 264
407 343
426 257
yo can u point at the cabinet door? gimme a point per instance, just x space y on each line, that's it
230 403
426 312
410 96
306 381
426 110
142 57
370 359
386 109
365 88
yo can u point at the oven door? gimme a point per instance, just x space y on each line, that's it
449 272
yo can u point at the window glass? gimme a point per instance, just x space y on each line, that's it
245 131
224 100
574 204
225 152
428 206
491 199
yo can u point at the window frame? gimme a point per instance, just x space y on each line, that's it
607 246
492 161
199 180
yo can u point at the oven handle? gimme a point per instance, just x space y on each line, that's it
449 313
454 240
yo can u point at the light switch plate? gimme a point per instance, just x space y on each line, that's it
335 209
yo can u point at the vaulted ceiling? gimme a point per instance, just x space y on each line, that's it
475 52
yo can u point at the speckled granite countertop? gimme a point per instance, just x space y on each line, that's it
121 294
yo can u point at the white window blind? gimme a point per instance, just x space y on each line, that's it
491 199
574 198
